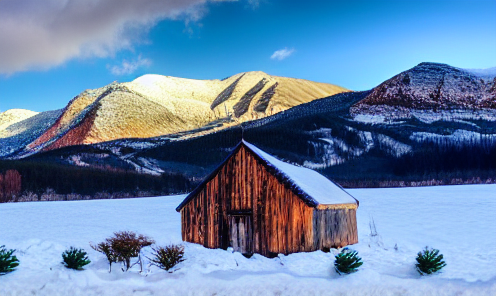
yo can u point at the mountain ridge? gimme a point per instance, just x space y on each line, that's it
429 87
155 105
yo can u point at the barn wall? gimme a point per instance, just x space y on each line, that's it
334 228
282 222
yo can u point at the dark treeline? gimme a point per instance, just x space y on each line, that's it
205 152
40 177
430 163
10 184
433 158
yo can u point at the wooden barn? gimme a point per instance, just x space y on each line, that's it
256 203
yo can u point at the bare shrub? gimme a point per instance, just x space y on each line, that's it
167 257
123 246
106 248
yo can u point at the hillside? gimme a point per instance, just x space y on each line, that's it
12 116
430 91
154 105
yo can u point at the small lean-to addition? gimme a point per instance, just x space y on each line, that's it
256 203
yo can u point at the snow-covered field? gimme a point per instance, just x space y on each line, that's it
460 221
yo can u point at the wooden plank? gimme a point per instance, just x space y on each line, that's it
254 204
204 221
244 183
216 233
354 227
190 223
264 243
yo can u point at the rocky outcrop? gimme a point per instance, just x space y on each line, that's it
431 86
264 100
244 103
225 94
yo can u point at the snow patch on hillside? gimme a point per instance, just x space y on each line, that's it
384 114
369 118
484 73
429 116
457 136
393 147
151 165
16 136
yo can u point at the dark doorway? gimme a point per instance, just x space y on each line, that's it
241 233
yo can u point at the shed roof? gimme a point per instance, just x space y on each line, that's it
310 186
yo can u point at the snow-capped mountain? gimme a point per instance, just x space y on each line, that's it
432 92
155 105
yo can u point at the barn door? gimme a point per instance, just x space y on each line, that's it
241 233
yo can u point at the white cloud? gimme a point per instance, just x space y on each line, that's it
38 34
282 54
129 67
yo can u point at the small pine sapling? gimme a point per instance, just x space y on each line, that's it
8 262
347 261
429 261
167 257
75 258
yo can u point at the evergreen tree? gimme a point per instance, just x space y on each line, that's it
8 262
75 258
347 261
429 261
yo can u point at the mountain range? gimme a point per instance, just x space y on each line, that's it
155 105
432 124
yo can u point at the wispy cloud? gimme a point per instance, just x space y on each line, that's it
282 54
254 3
41 34
129 67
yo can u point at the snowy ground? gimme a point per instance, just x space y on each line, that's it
458 220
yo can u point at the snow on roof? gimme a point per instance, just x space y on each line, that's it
317 187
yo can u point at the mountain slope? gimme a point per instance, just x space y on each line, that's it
16 136
154 105
431 87
12 116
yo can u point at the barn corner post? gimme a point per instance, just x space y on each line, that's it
251 204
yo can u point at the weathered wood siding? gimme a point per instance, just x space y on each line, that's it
334 228
282 222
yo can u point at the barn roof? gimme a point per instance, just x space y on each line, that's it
310 186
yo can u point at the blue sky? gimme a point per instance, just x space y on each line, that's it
51 51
